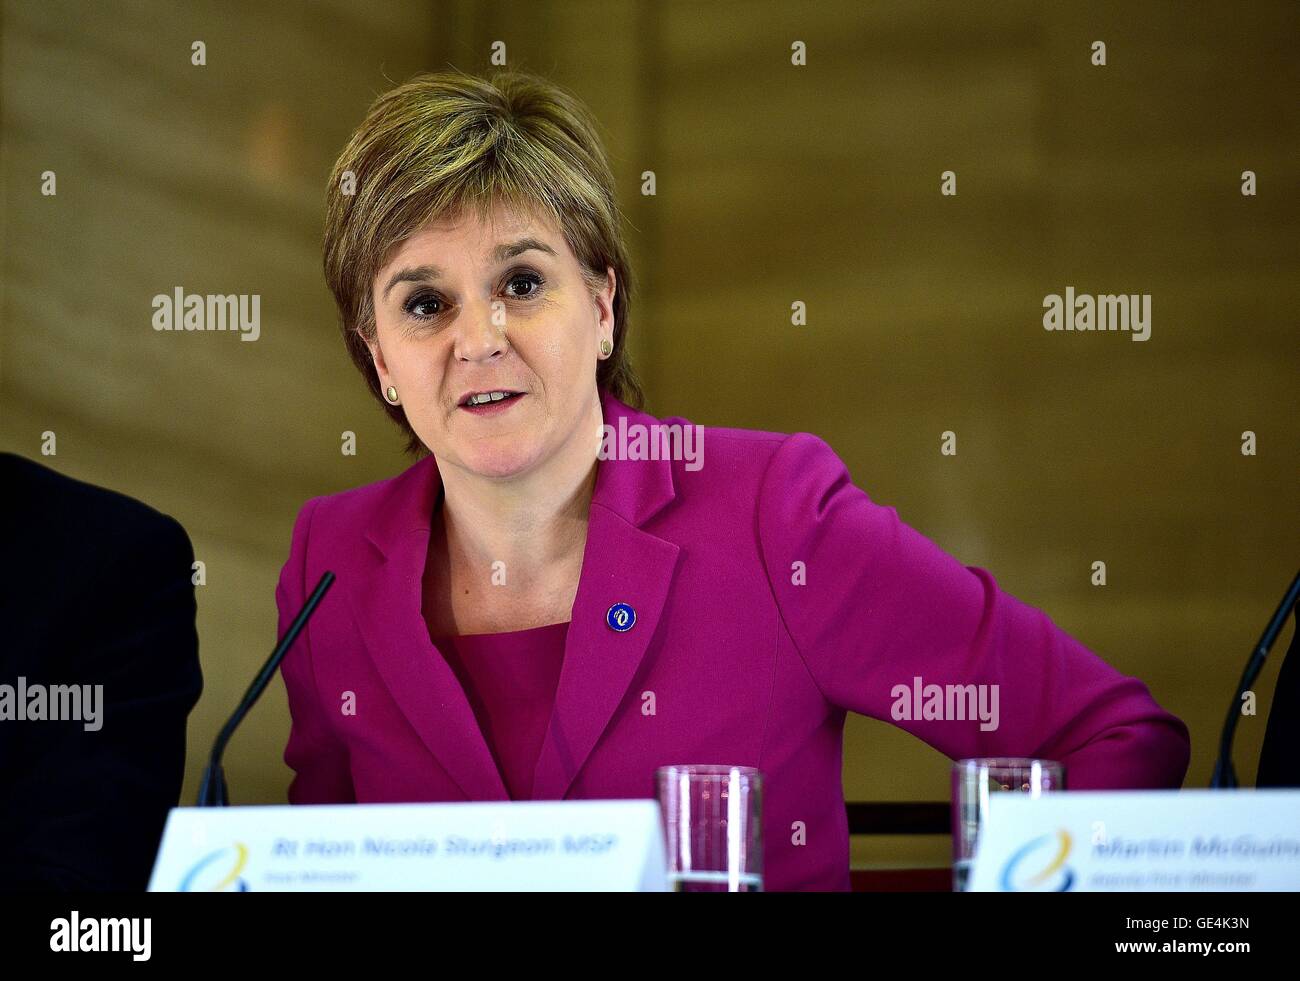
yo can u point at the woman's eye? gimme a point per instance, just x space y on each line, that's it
524 280
523 286
423 305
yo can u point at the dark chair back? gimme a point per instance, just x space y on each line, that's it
900 818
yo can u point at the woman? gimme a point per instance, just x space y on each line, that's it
534 611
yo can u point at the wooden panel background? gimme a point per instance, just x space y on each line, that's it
775 183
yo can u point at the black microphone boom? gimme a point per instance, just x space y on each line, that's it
212 791
1225 777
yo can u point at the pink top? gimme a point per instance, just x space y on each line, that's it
510 681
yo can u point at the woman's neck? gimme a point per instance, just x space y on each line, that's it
531 523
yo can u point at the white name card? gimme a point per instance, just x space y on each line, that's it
1140 841
607 845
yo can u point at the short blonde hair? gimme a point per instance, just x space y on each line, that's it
443 142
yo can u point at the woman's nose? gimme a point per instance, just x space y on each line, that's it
478 337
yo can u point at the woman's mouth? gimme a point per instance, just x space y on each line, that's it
490 403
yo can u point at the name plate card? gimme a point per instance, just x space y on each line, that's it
608 845
1140 841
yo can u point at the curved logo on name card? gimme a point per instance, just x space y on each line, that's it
1039 865
218 871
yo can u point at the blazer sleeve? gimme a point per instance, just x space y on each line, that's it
88 807
881 605
315 754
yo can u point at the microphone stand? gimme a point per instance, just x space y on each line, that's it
212 790
1225 777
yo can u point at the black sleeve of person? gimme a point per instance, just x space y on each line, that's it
97 590
1279 758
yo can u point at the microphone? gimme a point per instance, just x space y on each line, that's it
1225 777
212 791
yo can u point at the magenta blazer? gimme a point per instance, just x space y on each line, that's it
771 595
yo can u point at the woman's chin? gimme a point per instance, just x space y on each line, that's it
499 462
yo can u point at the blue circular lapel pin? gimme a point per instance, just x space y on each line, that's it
621 617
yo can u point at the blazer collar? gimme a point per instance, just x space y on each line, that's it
621 564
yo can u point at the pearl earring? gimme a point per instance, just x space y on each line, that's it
391 394
605 348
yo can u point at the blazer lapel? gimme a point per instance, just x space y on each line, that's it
388 607
621 563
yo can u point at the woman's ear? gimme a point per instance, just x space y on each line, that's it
605 308
376 357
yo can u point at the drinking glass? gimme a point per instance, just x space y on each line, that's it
972 782
713 827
